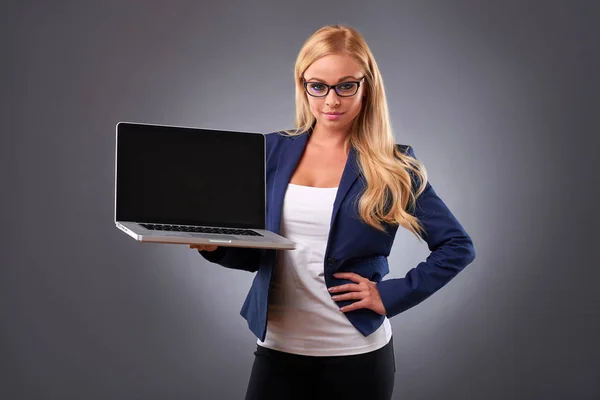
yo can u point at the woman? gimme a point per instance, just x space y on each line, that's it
340 187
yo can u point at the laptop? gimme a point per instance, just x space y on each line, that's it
187 185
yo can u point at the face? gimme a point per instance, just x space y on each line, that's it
333 111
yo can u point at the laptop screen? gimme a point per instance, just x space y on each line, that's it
190 176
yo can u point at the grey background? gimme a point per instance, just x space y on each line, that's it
497 98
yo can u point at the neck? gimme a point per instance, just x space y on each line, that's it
331 139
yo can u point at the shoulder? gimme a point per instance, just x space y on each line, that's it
405 149
414 166
275 139
289 134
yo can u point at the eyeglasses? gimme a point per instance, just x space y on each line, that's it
344 89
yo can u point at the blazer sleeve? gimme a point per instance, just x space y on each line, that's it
244 259
451 251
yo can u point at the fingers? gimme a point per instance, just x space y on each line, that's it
350 276
361 300
347 287
350 296
364 303
364 294
203 247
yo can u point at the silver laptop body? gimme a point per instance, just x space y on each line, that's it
186 185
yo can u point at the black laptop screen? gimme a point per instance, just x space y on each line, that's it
190 176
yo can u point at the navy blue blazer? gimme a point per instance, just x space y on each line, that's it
352 246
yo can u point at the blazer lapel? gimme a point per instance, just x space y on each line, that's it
350 174
288 160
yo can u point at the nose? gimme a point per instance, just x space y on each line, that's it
332 99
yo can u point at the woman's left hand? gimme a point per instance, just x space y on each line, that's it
364 290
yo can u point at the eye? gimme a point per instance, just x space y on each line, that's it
316 87
347 86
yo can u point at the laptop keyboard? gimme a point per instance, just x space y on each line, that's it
200 229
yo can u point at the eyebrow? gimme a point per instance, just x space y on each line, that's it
339 80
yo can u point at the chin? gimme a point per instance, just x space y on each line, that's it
342 124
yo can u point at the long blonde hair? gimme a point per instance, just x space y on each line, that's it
389 196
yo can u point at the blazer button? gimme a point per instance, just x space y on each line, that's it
331 261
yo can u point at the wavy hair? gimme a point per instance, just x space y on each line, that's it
391 190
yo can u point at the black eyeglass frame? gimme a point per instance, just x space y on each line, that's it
329 87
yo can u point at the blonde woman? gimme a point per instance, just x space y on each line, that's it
339 186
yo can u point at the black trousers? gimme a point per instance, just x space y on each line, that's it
284 376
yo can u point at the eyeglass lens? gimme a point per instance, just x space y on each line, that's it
342 89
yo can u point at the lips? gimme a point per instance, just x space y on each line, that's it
333 116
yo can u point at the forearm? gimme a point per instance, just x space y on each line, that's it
234 257
442 265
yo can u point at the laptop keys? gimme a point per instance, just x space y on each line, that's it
200 229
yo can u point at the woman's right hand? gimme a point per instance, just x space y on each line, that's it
203 247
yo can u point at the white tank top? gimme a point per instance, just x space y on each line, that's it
303 319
